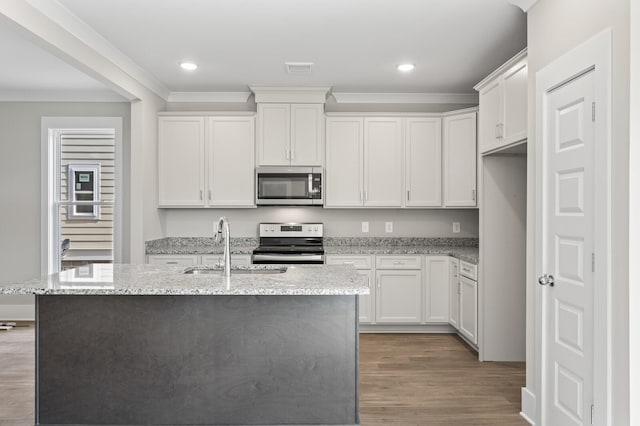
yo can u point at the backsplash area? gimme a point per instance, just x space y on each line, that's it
421 223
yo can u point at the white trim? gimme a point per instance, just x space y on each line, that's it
60 96
59 14
403 114
594 53
234 97
405 98
284 94
51 127
422 328
525 5
501 69
528 400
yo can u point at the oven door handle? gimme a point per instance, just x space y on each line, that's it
284 257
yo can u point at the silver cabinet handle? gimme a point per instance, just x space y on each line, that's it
368 281
546 279
286 153
408 195
201 194
292 155
346 262
365 196
172 263
209 195
473 194
497 131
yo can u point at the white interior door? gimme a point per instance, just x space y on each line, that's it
567 250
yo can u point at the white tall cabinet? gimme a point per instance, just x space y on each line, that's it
460 160
206 161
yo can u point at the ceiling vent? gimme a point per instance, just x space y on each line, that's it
298 68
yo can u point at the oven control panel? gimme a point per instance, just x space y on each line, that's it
291 229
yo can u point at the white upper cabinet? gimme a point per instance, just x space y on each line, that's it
230 145
344 171
460 160
181 161
206 161
423 162
383 162
290 134
503 105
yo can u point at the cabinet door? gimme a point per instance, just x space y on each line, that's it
469 309
398 297
515 103
490 116
460 160
454 293
166 259
423 162
343 174
231 170
306 134
181 174
274 148
383 162
437 289
367 301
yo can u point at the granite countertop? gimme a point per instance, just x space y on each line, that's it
159 280
461 248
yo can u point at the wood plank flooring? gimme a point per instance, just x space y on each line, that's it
406 379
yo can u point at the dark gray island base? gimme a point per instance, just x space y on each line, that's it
197 359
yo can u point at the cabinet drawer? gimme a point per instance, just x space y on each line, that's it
398 262
360 262
236 259
469 270
158 259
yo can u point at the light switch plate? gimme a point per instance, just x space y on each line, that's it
456 227
365 226
388 227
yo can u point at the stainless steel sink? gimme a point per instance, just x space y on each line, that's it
248 270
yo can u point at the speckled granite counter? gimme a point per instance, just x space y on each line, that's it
160 280
462 248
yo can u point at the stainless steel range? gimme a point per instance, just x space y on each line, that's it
286 243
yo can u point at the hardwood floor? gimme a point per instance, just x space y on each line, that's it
406 379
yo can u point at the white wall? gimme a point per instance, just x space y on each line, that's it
338 222
554 28
20 179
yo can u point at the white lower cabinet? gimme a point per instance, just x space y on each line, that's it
398 290
454 293
468 323
363 264
437 289
194 259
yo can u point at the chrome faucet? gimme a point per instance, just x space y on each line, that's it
223 227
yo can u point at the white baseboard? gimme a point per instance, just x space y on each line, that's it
404 328
528 406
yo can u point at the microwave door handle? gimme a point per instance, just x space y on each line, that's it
310 184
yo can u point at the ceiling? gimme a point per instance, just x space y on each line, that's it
355 45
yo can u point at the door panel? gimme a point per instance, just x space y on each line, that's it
274 134
423 162
383 162
343 175
306 134
567 249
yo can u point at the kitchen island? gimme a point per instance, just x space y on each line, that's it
148 344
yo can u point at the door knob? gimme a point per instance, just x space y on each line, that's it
546 280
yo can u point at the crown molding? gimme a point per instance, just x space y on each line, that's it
216 97
60 96
61 16
405 98
501 69
288 94
525 5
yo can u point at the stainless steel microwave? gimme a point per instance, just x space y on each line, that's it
288 186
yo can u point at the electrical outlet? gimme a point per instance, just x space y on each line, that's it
365 226
456 227
388 227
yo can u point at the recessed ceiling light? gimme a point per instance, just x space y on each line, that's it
189 66
405 67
